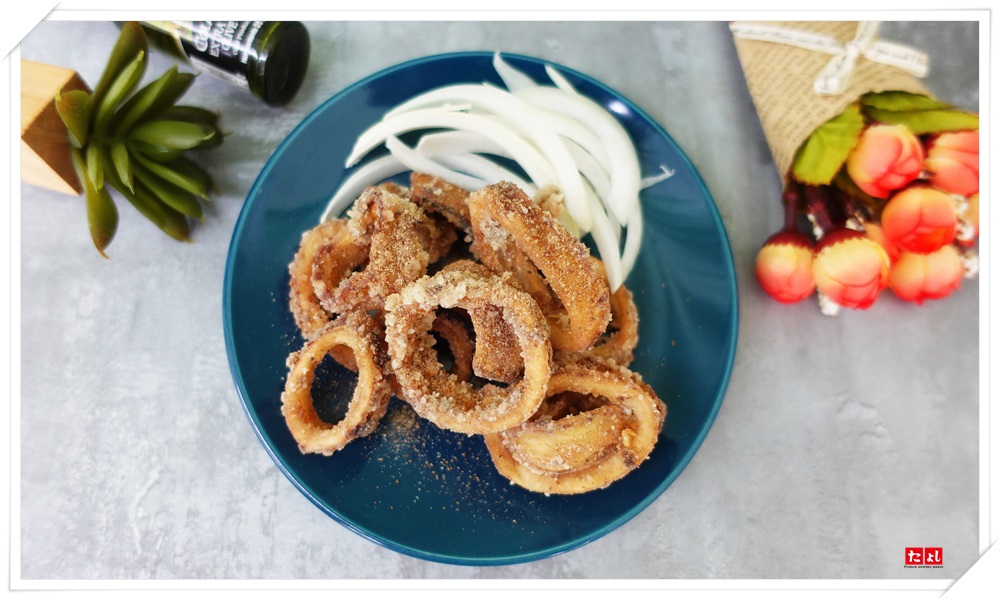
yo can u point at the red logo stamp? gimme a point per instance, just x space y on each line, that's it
926 557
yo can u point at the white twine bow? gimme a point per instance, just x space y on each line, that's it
834 77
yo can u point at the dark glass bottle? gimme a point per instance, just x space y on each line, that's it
268 58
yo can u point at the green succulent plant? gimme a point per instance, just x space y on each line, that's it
135 140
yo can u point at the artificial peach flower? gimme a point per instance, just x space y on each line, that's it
886 158
953 162
784 267
920 219
850 269
919 277
875 232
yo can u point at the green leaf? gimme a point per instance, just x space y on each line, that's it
95 166
180 172
180 200
120 160
176 135
898 100
130 44
156 153
824 152
172 91
74 110
119 89
165 218
140 104
102 214
192 114
921 122
202 116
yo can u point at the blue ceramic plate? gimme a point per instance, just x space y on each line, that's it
430 493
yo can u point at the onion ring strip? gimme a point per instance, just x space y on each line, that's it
442 399
369 401
636 440
327 240
497 354
506 224
618 345
400 237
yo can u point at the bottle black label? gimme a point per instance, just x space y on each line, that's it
222 48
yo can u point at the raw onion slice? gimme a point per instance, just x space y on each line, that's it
370 173
515 113
511 77
529 158
415 161
624 167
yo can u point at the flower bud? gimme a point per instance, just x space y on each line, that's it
850 269
953 162
919 277
920 219
784 267
886 158
875 232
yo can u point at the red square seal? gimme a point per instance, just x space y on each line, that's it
933 556
914 556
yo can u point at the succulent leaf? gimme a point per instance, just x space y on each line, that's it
180 172
171 134
94 164
130 44
117 92
74 110
102 214
171 93
120 161
180 200
141 103
155 153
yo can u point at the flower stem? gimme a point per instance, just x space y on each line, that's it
818 210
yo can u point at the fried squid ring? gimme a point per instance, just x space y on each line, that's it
497 355
331 246
619 341
435 195
445 400
399 233
361 333
457 333
588 450
511 233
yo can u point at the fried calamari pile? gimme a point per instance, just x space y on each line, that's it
487 317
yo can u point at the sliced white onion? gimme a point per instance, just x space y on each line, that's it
420 163
456 142
555 135
571 129
529 158
370 173
606 240
514 112
621 152
485 169
633 241
511 77
559 80
652 180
